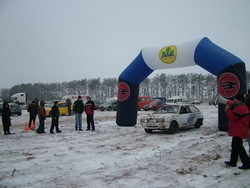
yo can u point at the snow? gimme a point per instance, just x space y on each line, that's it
115 156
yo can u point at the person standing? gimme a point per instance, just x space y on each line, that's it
89 110
238 115
6 113
78 108
247 102
55 118
69 106
33 110
42 117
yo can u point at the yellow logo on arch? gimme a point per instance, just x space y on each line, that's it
168 54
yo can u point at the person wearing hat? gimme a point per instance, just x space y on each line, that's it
6 113
78 108
238 125
247 102
42 117
55 119
33 110
89 110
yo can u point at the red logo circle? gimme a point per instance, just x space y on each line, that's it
228 85
123 91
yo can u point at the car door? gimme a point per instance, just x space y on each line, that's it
62 108
184 115
194 114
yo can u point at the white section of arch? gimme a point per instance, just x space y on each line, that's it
185 56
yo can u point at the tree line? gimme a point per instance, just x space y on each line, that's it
190 86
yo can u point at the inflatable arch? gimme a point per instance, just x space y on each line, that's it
229 69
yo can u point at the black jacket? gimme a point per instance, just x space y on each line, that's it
78 107
33 109
6 113
55 112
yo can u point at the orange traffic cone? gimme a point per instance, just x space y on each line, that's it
26 128
32 125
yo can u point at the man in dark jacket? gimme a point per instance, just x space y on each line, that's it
55 119
42 117
68 101
6 113
89 110
78 108
33 110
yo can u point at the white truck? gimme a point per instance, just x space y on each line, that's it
19 98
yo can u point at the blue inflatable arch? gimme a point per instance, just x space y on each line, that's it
229 69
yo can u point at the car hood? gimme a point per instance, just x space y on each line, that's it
160 116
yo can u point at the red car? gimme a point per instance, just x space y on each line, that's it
153 105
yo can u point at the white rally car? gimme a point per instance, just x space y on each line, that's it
173 117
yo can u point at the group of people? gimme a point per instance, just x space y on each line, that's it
78 107
34 109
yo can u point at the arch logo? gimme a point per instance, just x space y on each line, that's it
168 54
228 85
123 91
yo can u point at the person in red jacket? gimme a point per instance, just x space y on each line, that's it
89 110
238 115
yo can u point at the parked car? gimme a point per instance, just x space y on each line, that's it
173 117
51 103
14 108
143 100
62 106
153 105
97 103
176 100
163 99
110 105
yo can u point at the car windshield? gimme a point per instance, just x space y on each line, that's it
170 101
14 106
50 105
153 103
168 109
109 102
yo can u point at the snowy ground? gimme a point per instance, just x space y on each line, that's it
114 156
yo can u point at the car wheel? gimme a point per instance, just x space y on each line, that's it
173 128
109 108
148 130
19 114
154 109
198 123
72 112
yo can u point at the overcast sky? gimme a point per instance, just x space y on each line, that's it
63 40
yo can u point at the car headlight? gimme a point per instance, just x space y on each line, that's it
154 120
